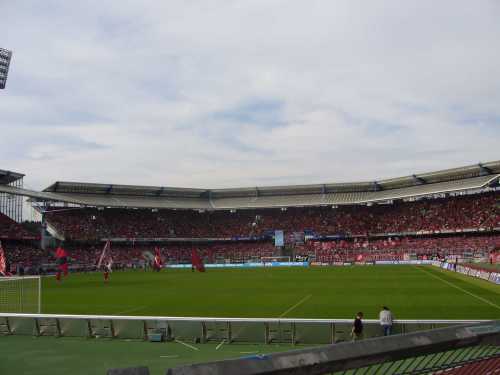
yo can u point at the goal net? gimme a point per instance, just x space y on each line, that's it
20 294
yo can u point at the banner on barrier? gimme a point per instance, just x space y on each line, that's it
244 265
483 274
406 262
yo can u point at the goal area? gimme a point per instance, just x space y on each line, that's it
21 294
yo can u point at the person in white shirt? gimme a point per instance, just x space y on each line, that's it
386 319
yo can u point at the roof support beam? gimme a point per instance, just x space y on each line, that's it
484 171
160 191
495 182
418 180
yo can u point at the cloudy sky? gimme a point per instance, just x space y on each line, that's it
243 93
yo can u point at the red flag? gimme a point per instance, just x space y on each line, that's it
196 261
3 262
109 264
157 262
61 253
62 260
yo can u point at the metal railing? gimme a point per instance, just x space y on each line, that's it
471 349
206 329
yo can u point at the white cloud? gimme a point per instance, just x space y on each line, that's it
130 92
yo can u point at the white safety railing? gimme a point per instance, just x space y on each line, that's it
206 329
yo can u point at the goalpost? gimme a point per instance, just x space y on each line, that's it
21 294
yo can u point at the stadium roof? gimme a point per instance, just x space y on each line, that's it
108 195
7 177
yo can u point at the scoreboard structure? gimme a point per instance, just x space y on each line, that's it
5 57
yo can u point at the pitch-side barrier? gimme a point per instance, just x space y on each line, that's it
461 350
305 264
487 275
205 329
243 265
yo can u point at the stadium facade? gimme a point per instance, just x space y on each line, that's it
462 180
11 204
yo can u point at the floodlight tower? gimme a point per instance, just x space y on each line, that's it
5 57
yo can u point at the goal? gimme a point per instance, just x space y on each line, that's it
21 294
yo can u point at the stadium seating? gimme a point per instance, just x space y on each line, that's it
443 214
24 253
85 256
30 256
422 228
9 229
396 248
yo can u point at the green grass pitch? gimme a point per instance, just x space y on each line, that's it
29 355
412 292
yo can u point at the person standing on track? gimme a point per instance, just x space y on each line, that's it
386 319
357 327
105 270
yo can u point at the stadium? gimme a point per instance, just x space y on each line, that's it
249 188
291 265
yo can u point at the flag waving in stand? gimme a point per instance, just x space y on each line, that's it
62 263
105 250
196 261
157 261
106 259
3 263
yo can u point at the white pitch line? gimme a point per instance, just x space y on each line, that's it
187 345
221 343
169 356
130 310
461 289
296 305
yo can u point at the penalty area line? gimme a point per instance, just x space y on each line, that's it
221 343
461 289
130 310
186 345
296 305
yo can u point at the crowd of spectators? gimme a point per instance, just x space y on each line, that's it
234 252
10 229
394 248
89 224
178 253
358 225
441 214
19 253
397 248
